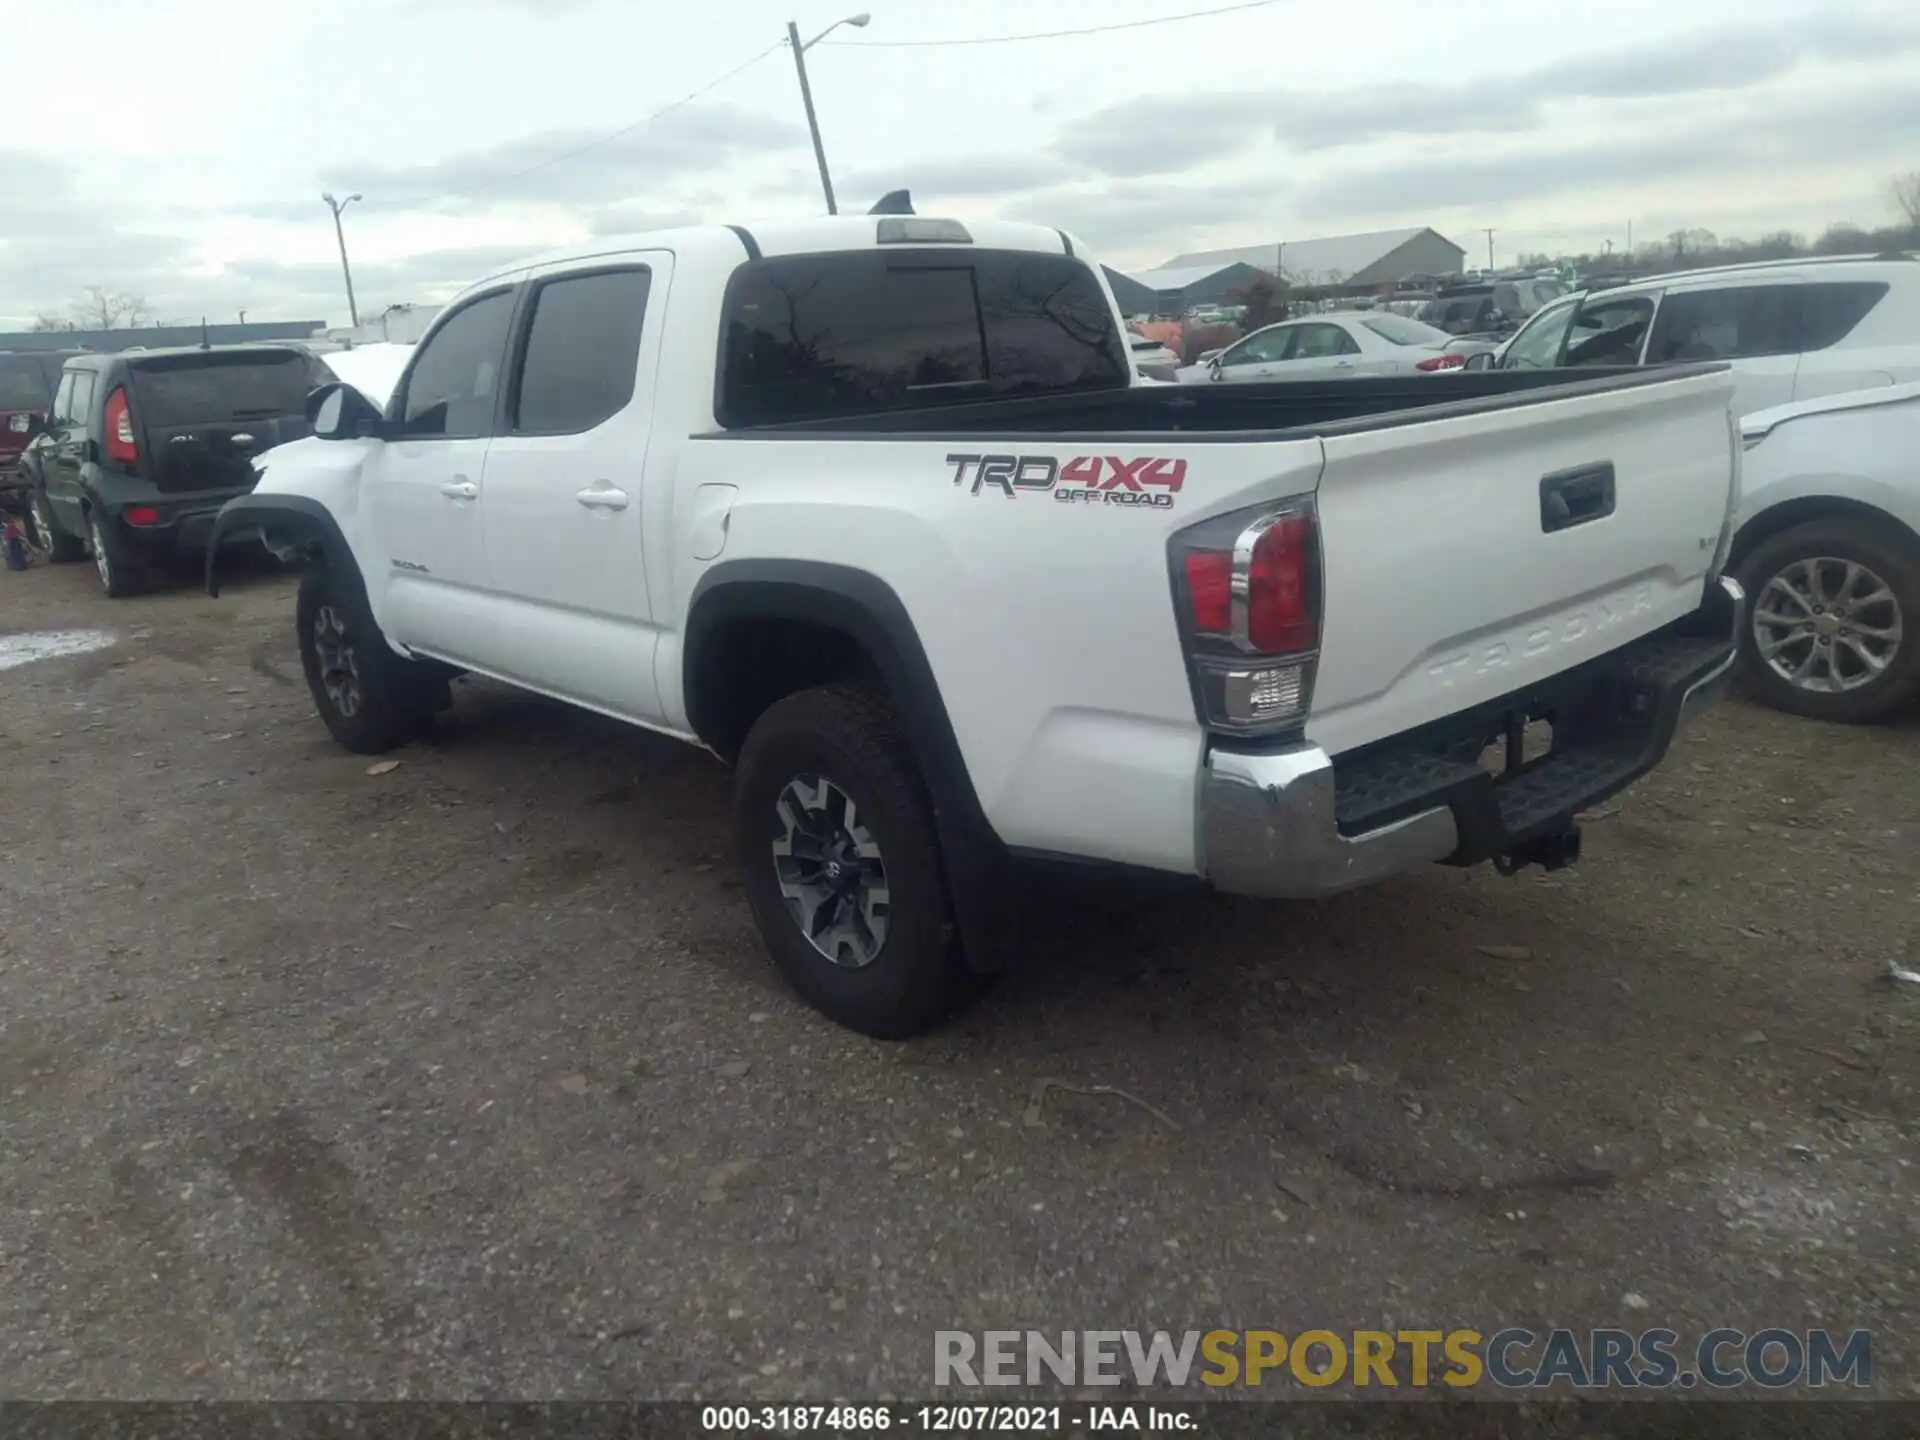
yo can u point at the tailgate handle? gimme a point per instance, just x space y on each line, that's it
1573 497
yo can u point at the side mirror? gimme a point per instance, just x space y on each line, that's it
1213 368
340 412
1481 361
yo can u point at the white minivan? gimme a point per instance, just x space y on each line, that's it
1791 329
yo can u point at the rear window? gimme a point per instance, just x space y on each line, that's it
1828 312
1458 315
1398 330
23 383
199 389
812 337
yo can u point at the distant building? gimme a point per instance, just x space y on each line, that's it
159 337
1175 289
397 325
1377 258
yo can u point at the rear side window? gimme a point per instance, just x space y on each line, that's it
80 401
1828 312
23 384
582 349
451 386
817 336
63 398
202 389
1736 322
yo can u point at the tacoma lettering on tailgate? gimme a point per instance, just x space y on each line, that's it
1147 480
1496 654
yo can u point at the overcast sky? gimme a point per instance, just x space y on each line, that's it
190 168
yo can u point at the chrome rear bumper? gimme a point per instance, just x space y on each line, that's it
1271 823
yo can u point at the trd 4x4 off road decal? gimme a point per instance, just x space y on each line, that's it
1085 479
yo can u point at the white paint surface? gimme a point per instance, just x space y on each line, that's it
50 644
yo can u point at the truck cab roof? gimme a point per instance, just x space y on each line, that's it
810 235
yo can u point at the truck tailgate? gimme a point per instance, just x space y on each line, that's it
1470 555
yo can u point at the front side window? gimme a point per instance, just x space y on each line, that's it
1733 322
582 352
1323 342
1609 332
1538 346
449 391
1263 347
817 336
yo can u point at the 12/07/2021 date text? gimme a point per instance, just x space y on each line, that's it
943 1419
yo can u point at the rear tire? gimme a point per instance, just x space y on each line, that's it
120 576
842 866
1864 584
370 698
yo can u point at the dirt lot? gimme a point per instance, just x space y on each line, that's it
470 1078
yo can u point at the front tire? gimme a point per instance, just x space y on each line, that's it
370 698
44 534
842 866
1833 623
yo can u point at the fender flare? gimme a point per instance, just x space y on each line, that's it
865 608
295 519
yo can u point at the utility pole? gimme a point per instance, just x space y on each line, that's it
806 94
336 206
1489 249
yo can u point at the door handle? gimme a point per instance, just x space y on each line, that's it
1343 364
606 498
1577 496
460 490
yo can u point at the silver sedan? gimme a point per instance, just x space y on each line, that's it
1332 347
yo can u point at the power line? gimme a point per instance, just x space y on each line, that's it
579 150
1049 34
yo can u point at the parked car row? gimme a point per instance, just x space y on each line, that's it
126 457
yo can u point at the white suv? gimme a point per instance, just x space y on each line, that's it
1791 329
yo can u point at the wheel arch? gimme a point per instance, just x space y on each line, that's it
1804 509
291 526
734 597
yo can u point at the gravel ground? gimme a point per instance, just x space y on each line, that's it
471 1079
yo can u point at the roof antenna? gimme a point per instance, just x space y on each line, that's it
205 343
894 202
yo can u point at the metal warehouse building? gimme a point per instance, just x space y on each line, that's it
1173 289
1377 258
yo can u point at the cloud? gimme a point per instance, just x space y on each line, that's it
1163 135
970 176
575 166
1857 121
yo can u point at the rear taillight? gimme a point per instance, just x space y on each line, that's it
1247 586
1442 362
120 442
140 515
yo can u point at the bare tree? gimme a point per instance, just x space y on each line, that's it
1905 190
46 322
99 308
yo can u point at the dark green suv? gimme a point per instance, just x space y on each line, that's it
142 448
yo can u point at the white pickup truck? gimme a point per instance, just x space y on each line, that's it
869 507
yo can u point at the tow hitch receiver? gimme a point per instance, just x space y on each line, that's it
1555 850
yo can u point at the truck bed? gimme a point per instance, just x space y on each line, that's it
1291 409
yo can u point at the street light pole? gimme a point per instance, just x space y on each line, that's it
806 96
336 206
